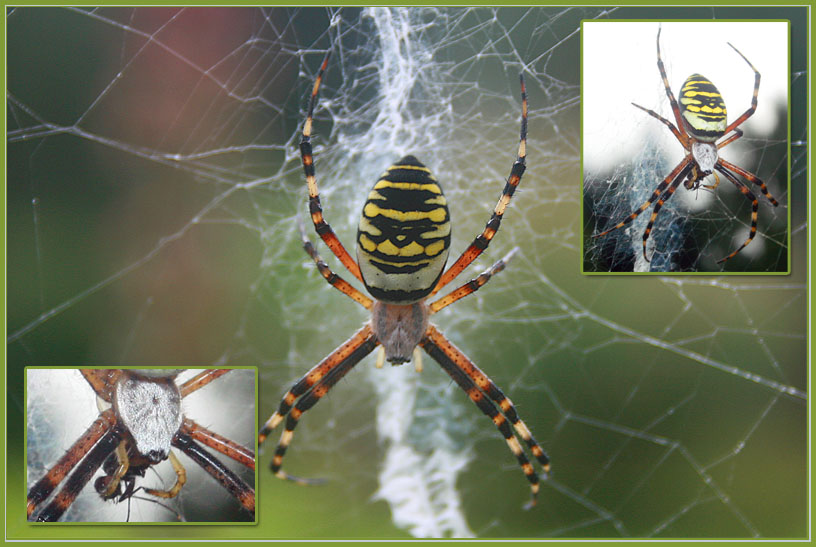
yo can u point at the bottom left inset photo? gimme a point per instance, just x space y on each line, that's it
140 445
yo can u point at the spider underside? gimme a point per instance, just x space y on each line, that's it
136 432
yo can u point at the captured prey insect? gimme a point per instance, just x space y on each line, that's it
701 119
403 241
143 420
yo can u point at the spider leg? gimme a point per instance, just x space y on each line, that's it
680 178
481 390
483 240
313 387
675 107
713 187
754 204
737 134
181 480
676 132
748 113
338 357
101 380
43 488
80 477
681 167
201 379
240 490
474 284
315 209
332 278
751 178
231 449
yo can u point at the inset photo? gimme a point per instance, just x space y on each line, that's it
140 445
686 147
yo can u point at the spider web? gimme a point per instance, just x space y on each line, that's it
154 192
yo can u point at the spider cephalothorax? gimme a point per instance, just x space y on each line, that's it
403 241
701 119
149 426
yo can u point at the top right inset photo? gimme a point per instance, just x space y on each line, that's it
686 147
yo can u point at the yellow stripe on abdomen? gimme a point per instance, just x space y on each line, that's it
404 234
703 109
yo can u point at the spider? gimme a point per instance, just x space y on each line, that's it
144 419
402 247
701 122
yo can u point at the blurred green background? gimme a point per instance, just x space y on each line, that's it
153 188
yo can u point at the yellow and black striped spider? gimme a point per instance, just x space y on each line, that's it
402 247
144 420
701 121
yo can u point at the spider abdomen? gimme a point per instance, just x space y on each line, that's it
703 109
404 234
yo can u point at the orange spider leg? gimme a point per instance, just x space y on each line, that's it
240 490
43 487
734 136
473 285
680 177
483 240
481 391
231 449
101 380
201 379
754 208
751 178
681 168
332 278
750 112
85 469
323 229
313 386
676 132
674 106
